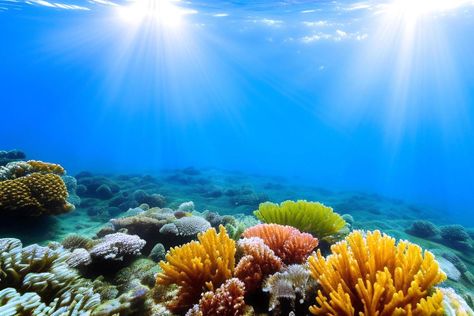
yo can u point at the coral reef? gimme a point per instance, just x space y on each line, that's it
198 266
424 229
33 195
227 300
258 261
7 156
116 246
455 305
456 237
311 217
369 274
293 283
287 242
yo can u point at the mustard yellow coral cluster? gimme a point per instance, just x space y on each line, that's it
371 275
198 266
34 195
46 167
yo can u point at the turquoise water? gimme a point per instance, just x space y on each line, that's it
374 96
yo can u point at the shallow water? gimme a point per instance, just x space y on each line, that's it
365 106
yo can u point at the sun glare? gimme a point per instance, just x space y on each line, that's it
163 12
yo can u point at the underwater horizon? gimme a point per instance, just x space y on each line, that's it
269 133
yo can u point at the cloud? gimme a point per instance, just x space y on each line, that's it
316 23
337 36
104 2
358 6
270 22
220 15
56 5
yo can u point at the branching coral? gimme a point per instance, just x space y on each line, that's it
311 217
372 275
257 263
34 195
227 300
287 242
198 266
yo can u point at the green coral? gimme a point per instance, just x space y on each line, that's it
311 217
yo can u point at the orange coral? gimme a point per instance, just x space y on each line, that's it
258 262
198 266
34 195
288 243
227 300
46 167
371 275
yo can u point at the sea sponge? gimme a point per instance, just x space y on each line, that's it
311 217
369 274
198 266
33 195
227 300
258 262
287 242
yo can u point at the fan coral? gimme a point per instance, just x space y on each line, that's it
258 262
116 246
34 195
198 266
372 275
227 300
295 281
287 242
311 217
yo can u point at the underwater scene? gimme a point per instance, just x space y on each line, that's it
230 158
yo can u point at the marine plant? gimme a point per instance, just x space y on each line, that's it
370 274
198 266
287 242
311 217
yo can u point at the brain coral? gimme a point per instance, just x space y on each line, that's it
198 266
34 195
311 217
369 274
287 242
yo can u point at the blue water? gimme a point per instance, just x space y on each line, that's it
373 95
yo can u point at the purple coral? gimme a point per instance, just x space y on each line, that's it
116 246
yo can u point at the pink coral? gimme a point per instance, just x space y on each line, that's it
258 262
288 243
227 300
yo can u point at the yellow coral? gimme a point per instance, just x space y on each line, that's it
33 195
198 266
371 275
311 217
46 167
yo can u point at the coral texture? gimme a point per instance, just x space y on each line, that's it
258 262
227 300
36 280
116 246
311 217
34 195
292 283
198 266
287 242
372 275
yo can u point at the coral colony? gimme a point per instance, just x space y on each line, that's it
293 258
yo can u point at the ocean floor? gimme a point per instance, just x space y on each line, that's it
102 199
